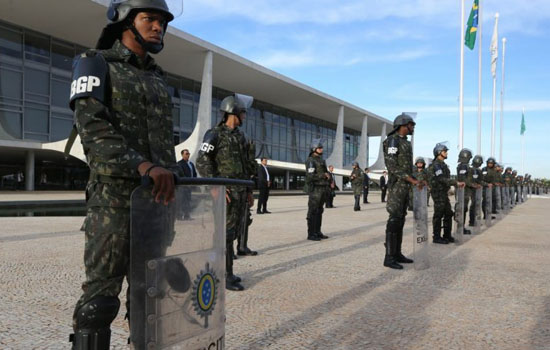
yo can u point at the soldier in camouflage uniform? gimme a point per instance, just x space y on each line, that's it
121 102
478 183
225 153
465 174
398 159
357 184
317 184
489 178
419 173
440 182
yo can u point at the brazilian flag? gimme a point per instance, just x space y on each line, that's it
470 39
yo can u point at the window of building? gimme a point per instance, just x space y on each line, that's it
36 118
61 125
11 85
10 42
37 47
10 125
60 93
37 85
62 55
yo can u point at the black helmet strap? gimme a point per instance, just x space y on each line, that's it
147 46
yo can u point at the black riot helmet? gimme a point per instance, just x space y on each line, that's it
491 160
440 147
121 14
315 143
236 104
420 160
477 161
465 155
508 169
400 120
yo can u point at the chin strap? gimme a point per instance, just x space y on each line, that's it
149 47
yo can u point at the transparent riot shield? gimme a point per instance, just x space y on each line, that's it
488 206
517 195
478 199
420 234
512 196
177 267
459 215
524 192
505 200
498 204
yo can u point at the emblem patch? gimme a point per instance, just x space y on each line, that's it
205 291
392 150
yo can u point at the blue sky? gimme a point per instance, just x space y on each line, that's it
389 56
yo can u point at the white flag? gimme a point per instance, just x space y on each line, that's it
494 48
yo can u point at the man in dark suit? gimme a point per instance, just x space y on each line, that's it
264 183
366 181
189 170
384 185
332 188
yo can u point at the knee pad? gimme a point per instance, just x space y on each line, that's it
93 321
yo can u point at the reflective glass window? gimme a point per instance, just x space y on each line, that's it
186 116
11 84
60 93
37 81
62 56
61 128
36 120
37 47
10 125
36 137
176 116
10 42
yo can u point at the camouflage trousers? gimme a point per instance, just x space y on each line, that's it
398 201
234 213
316 200
107 235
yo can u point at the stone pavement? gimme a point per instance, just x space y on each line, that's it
492 292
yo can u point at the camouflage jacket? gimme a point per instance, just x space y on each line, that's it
440 177
316 168
398 158
489 175
507 177
356 178
464 173
123 113
421 175
225 153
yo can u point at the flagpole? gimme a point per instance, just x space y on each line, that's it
502 99
523 143
493 125
479 25
461 94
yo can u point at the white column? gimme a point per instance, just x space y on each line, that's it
336 159
363 154
287 180
204 117
380 164
29 171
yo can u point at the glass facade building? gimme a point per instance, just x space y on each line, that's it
35 78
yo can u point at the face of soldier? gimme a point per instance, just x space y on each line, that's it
151 26
319 150
490 165
410 127
443 154
419 165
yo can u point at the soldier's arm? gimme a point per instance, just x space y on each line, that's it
206 160
312 175
98 135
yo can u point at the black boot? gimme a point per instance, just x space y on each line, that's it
399 257
437 233
447 228
311 235
231 282
391 249
242 247
318 223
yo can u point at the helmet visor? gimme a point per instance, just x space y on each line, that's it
244 101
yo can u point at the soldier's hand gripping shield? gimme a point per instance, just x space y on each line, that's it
459 215
478 215
177 269
420 233
488 206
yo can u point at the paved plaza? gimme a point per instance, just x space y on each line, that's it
492 292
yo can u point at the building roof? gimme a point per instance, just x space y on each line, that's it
81 21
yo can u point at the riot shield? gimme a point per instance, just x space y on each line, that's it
498 204
524 191
505 200
420 235
512 196
177 270
517 195
459 215
478 199
488 206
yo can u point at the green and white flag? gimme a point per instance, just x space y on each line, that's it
471 30
522 131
